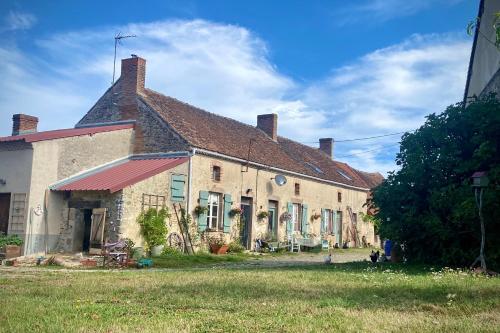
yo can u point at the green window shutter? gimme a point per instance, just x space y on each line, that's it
289 224
335 223
202 218
177 188
305 225
227 207
323 227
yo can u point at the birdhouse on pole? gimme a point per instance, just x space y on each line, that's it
480 179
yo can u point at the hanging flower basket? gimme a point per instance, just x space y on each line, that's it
262 215
285 217
315 217
235 212
199 210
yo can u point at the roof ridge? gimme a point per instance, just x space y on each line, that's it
205 111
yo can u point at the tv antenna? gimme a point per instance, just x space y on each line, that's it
118 39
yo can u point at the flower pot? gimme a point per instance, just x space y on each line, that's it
157 250
218 249
12 251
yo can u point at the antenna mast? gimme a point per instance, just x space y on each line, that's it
118 38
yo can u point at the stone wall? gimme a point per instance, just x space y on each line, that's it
158 185
260 186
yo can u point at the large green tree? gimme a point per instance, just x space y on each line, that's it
428 205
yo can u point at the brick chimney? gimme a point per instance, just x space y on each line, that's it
132 80
326 146
269 124
23 124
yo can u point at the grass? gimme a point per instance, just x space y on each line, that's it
349 297
198 260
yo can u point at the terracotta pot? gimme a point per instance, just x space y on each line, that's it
12 251
219 249
89 262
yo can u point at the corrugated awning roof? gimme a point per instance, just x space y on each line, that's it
117 177
64 133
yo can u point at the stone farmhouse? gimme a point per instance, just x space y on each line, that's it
69 190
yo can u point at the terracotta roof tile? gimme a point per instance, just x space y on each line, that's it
227 136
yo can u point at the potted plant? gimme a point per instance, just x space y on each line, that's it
235 212
199 210
217 245
153 229
285 217
11 245
262 214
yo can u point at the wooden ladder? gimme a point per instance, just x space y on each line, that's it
184 229
354 227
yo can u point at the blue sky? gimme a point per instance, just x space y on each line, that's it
341 69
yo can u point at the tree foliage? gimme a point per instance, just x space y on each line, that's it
428 205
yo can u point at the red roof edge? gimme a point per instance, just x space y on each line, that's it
146 175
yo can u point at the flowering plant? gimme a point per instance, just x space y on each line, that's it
235 211
285 217
262 214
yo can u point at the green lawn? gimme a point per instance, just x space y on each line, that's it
343 297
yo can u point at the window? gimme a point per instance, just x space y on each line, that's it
339 196
327 220
216 172
297 217
314 167
343 174
297 189
272 218
214 220
152 201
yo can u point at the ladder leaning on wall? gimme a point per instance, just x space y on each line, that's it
353 228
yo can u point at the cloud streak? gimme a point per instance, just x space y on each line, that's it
19 21
226 69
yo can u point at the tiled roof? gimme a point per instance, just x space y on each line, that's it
227 136
373 179
117 177
65 133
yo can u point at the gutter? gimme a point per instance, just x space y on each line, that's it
263 166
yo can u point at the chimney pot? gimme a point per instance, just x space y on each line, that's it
326 146
23 124
269 124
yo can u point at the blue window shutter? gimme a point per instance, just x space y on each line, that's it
202 218
177 188
289 224
323 229
227 207
305 224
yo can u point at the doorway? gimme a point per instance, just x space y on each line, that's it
338 228
246 222
87 227
4 212
272 225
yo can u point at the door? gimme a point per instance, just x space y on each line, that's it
272 225
87 226
246 222
4 212
97 229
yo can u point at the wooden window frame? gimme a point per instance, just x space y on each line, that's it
219 221
339 196
297 189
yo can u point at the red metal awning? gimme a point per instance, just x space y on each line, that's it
120 176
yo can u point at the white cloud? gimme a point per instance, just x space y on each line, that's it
19 21
370 11
226 69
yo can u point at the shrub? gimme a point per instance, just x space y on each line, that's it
235 247
153 226
170 251
10 240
